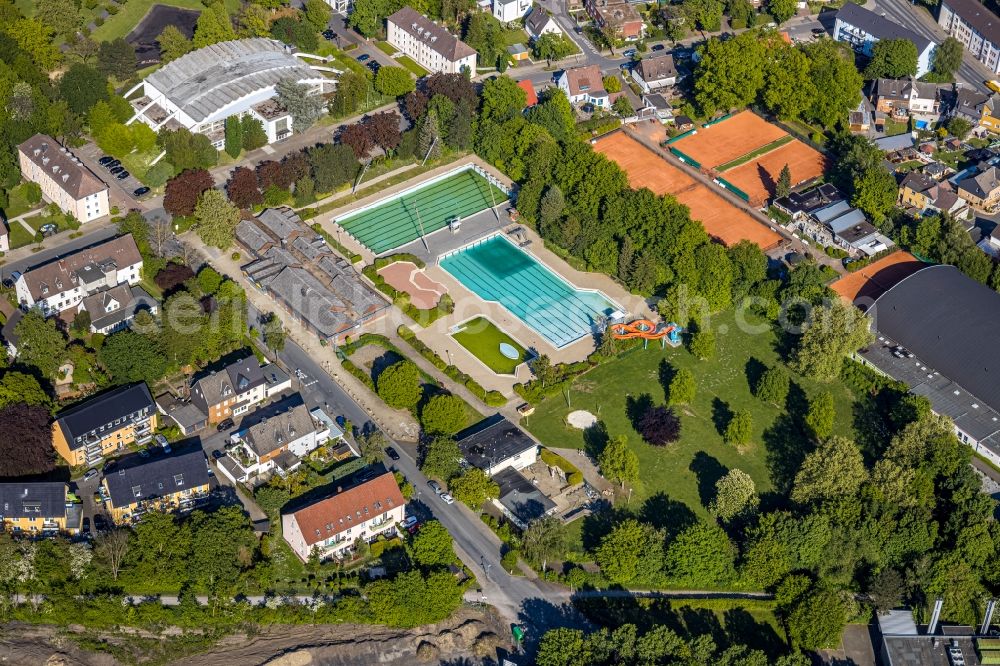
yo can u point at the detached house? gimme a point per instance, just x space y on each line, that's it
231 391
619 16
112 310
38 507
508 11
62 284
430 44
981 190
277 443
540 22
64 179
584 85
901 97
105 425
332 525
926 195
174 481
979 109
655 73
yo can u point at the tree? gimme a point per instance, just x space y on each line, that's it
835 469
612 83
739 430
837 329
62 16
701 556
399 385
428 137
432 545
393 81
173 44
187 150
551 46
623 107
959 127
563 647
112 548
729 74
892 59
773 386
223 545
735 494
317 14
254 21
875 193
833 72
216 219
947 59
304 106
242 188
82 87
26 445
117 58
332 166
384 130
781 10
502 100
183 190
274 333
214 26
887 590
18 387
357 137
132 357
115 139
660 426
368 15
821 415
816 620
784 185
682 388
81 323
702 344
291 30
631 548
473 488
253 133
440 458
34 38
443 414
234 136
788 88
543 540
40 344
618 462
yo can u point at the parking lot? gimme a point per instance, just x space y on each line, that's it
121 190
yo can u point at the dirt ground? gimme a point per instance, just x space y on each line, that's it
725 141
758 176
878 277
469 637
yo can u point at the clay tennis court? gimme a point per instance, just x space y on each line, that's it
865 285
721 219
758 176
734 137
406 277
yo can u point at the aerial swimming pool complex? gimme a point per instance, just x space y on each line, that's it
422 210
497 270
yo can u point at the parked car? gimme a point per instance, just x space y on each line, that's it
105 160
99 523
86 526
116 169
91 474
409 522
448 499
392 453
140 191
48 229
112 164
122 175
435 486
658 47
110 466
818 31
329 34
374 66
143 453
218 453
225 425
162 441
364 57
629 53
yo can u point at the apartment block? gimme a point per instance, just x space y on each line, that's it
430 44
105 425
165 483
64 179
976 27
36 508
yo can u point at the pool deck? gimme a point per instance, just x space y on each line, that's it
473 227
468 305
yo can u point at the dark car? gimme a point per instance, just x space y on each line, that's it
817 31
86 526
364 57
116 169
140 191
105 160
329 34
658 47
218 453
374 66
110 466
99 523
392 453
122 175
112 164
225 425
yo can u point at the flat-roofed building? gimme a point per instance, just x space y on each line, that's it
495 444
430 44
38 507
64 179
199 90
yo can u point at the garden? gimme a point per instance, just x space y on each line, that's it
484 340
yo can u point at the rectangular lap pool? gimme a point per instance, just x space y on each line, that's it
497 270
403 218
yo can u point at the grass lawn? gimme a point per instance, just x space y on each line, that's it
17 203
515 36
19 236
743 159
892 127
483 339
688 469
387 48
410 64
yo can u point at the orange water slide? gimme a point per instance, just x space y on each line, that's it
641 328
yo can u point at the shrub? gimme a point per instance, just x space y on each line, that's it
443 414
739 430
235 256
573 475
509 562
399 385
490 398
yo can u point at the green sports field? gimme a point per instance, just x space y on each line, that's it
403 219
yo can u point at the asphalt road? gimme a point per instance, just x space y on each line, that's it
69 247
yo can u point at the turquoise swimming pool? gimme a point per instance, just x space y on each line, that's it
497 270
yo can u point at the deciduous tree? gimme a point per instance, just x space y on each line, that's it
892 59
947 58
183 190
473 488
173 44
384 130
26 445
821 415
82 87
117 58
781 10
20 387
242 188
772 386
432 545
735 494
440 458
393 81
332 166
702 344
630 549
739 430
875 193
63 16
356 136
660 426
317 14
701 556
399 385
351 91
836 80
214 26
618 462
443 414
835 469
729 74
682 387
234 136
502 100
837 330
216 219
40 344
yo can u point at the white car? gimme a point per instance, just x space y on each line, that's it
91 474
409 522
448 499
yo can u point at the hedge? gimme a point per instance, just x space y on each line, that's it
384 342
401 299
861 263
489 398
365 378
573 475
353 257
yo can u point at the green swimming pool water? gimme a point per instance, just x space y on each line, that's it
497 270
399 220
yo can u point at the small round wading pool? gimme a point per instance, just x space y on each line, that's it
509 351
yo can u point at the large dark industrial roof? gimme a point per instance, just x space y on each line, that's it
951 323
491 441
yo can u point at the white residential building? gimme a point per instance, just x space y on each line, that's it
654 73
540 22
332 525
495 444
200 90
508 11
976 27
64 179
430 44
862 29
113 309
584 85
62 284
